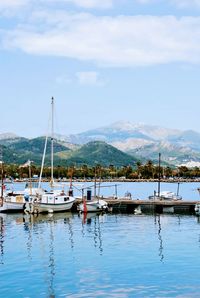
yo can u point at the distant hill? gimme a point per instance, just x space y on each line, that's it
36 146
98 152
22 149
91 154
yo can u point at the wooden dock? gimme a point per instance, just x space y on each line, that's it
151 206
157 206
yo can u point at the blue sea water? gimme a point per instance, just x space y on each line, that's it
109 255
138 190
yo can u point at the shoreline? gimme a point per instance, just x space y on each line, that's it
175 180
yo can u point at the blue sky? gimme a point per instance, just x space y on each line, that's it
103 61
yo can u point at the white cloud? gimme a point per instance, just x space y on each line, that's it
186 3
110 41
7 5
178 3
4 4
92 3
89 78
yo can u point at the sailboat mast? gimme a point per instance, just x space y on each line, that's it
95 182
2 185
159 174
2 179
30 177
178 188
52 138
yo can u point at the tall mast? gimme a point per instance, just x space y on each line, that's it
159 174
95 182
2 185
30 176
52 138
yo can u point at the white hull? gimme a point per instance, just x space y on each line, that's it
12 206
44 208
166 196
93 206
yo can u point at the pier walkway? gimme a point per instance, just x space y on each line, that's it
150 206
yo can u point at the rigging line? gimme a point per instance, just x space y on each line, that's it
91 186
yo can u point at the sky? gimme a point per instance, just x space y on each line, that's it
103 61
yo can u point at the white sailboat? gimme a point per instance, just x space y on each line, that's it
53 200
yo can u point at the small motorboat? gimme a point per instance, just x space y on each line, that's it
165 195
93 205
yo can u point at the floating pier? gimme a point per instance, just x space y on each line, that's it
153 206
150 206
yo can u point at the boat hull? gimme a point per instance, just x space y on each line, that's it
50 208
12 207
93 206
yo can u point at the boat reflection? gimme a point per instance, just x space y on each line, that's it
93 221
2 231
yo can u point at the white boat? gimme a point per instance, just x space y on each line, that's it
165 195
10 200
54 200
14 201
93 205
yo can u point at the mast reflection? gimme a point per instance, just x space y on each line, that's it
2 231
27 220
67 222
51 261
92 221
161 248
45 225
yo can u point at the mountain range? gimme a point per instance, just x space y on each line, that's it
144 142
120 143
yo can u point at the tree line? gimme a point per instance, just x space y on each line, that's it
139 170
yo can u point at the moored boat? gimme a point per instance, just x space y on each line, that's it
165 195
53 202
94 205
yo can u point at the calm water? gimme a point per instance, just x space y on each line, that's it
139 190
65 255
